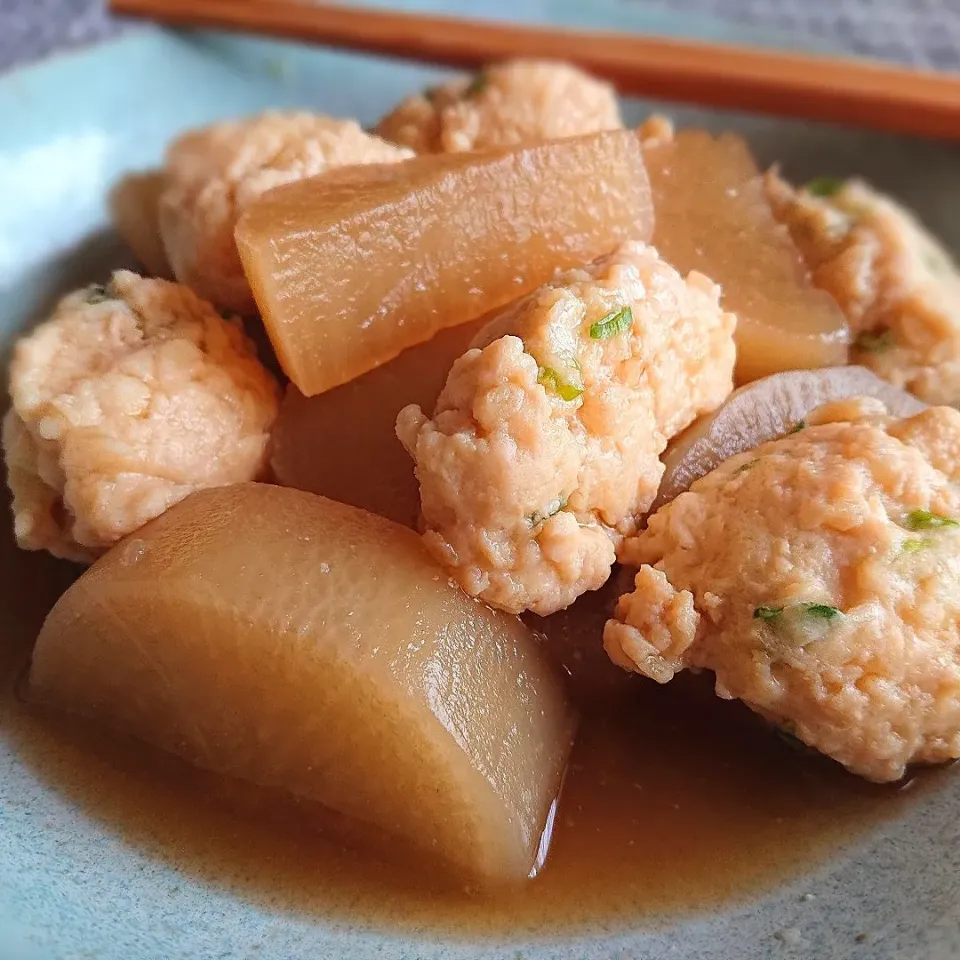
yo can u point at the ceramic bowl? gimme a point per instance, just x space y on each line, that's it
74 885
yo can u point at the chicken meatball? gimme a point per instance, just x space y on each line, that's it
897 285
505 104
544 445
818 577
213 174
129 398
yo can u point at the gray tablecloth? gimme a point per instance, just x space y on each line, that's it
925 32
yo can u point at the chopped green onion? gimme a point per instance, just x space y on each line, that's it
767 613
925 520
551 509
550 380
798 426
98 293
612 324
876 341
477 85
794 625
916 544
824 186
745 466
821 610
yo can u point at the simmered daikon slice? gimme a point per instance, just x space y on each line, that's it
134 208
765 410
352 267
294 642
712 216
343 443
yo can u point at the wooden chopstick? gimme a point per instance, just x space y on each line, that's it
854 92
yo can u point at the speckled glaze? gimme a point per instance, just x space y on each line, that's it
69 886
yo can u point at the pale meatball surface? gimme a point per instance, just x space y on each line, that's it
213 174
129 398
544 445
897 285
818 577
507 103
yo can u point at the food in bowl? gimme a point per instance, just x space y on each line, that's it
129 398
315 444
817 577
212 175
522 357
505 104
768 409
390 697
725 229
896 284
135 211
543 449
452 237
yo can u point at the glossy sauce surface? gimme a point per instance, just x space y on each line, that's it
674 801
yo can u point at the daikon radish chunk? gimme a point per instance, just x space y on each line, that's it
135 210
343 443
294 642
352 267
712 216
765 410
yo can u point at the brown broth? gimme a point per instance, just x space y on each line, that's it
674 801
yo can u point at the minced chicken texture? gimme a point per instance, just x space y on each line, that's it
544 446
897 285
505 104
129 398
818 577
214 173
